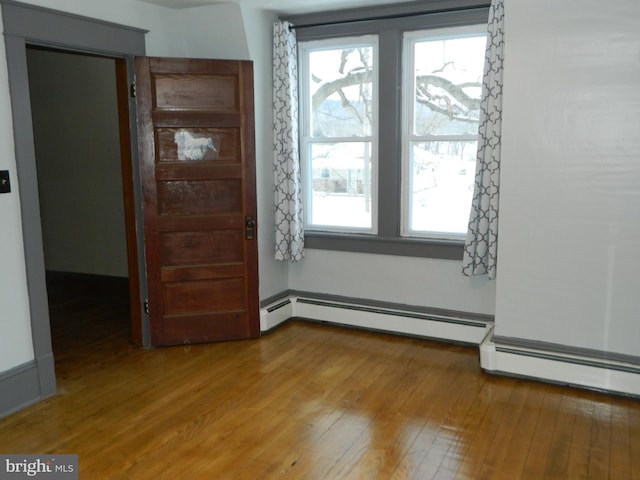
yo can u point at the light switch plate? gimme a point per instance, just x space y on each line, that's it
5 184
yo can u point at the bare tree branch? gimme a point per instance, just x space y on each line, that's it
329 88
433 91
455 91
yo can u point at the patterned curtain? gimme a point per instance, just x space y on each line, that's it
480 251
288 193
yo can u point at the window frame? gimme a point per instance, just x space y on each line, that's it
410 39
307 139
389 23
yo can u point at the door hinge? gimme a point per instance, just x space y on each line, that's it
146 306
132 90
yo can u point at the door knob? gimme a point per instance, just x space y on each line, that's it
249 227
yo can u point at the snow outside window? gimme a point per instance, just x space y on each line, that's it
442 89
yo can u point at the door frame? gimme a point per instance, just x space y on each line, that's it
32 25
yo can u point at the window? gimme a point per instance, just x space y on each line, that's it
338 125
389 120
442 89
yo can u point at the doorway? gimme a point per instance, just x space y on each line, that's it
74 107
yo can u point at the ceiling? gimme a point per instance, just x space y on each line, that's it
291 7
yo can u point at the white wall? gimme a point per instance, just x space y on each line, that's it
406 280
215 31
570 188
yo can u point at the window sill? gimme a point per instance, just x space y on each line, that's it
407 247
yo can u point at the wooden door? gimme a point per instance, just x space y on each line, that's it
197 156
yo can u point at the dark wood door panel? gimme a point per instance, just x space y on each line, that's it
204 296
202 272
200 222
195 119
196 65
196 197
198 92
204 328
201 247
196 171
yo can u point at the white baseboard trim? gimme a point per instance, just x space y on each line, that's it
453 328
567 368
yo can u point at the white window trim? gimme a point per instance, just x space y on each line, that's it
410 38
306 140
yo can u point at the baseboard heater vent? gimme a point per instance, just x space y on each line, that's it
564 365
586 362
394 312
373 315
275 312
278 306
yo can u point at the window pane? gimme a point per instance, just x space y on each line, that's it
442 178
340 85
448 85
341 185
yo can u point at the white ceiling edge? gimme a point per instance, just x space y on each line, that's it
290 7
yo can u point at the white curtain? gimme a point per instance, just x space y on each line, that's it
480 252
288 193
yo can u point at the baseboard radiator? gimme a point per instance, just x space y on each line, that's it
591 369
380 316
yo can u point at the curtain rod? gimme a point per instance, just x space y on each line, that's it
388 17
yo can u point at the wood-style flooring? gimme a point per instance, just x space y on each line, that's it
309 401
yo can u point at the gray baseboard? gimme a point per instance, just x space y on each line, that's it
25 385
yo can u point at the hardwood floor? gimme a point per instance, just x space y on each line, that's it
309 401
